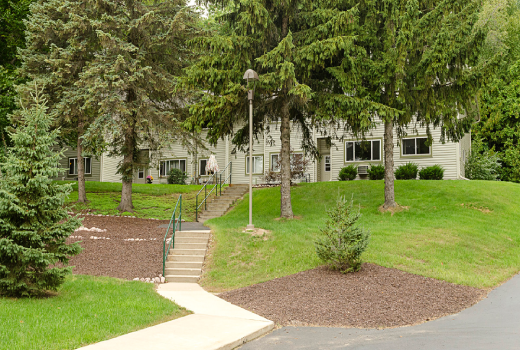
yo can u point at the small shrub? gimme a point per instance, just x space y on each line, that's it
342 242
407 171
348 173
376 172
482 166
177 177
434 172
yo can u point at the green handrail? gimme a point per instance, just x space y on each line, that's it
171 243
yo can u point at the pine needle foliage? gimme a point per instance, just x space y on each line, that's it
34 225
118 60
341 243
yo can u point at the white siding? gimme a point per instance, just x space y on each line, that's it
109 168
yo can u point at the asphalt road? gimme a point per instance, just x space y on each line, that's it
493 323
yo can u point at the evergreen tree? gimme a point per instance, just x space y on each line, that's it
12 27
292 45
130 81
115 61
421 59
341 64
34 225
59 43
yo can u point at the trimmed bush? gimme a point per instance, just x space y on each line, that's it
407 171
348 173
342 242
177 177
434 172
376 172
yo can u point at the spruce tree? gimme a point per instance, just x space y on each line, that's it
342 64
130 82
421 59
34 225
292 45
59 43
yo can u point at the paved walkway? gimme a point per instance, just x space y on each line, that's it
493 323
215 324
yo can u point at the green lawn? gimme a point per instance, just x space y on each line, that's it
150 201
86 310
464 232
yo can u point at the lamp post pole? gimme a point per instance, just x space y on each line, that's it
250 98
253 76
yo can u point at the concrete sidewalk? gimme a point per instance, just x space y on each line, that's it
215 324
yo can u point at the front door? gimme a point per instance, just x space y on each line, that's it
325 168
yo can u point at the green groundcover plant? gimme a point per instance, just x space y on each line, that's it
33 222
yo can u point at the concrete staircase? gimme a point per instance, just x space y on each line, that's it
218 205
184 262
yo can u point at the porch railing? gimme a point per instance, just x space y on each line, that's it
171 241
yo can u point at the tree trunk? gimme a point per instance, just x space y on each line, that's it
285 162
127 172
389 165
82 194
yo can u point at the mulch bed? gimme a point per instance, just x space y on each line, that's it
374 297
117 257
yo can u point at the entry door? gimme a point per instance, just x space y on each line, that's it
325 168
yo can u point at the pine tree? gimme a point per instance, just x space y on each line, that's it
130 81
344 64
34 225
59 43
292 45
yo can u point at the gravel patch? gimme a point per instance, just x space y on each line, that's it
129 247
374 297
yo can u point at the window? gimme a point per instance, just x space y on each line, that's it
202 166
274 160
415 146
327 163
167 165
258 164
140 173
73 166
358 151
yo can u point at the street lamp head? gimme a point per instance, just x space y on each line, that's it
250 75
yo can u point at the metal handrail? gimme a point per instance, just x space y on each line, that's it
206 195
217 176
227 178
171 243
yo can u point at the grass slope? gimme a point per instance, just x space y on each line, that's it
464 232
86 310
150 201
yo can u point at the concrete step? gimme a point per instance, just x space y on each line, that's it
182 272
184 240
183 279
184 258
207 217
177 251
184 265
182 234
214 212
183 246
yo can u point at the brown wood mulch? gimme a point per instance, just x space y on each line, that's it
371 298
374 297
111 254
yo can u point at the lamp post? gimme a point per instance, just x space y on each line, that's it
253 76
